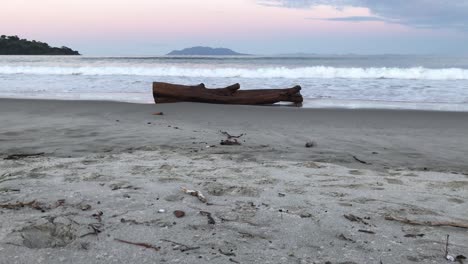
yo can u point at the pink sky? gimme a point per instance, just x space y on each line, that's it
180 21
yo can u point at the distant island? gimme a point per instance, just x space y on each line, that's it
13 45
205 51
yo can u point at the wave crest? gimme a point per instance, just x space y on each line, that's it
316 72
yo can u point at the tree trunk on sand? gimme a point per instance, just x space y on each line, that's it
169 93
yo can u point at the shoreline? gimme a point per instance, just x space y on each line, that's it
309 103
411 139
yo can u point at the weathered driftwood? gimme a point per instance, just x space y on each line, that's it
169 93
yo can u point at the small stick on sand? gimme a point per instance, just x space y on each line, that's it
20 156
447 246
426 223
185 247
197 194
229 136
211 220
361 161
145 245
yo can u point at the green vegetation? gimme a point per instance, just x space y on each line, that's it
13 45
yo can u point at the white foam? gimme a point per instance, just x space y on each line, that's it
316 72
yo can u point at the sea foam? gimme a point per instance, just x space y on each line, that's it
315 72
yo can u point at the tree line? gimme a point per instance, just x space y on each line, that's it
13 45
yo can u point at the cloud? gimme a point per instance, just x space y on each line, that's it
354 19
451 14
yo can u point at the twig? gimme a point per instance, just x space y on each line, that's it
186 248
197 194
20 156
426 223
447 246
361 161
145 245
211 221
354 218
229 136
366 231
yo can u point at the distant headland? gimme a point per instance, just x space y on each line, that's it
13 45
205 51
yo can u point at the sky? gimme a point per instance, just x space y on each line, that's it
264 27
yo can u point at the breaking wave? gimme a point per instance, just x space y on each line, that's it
317 72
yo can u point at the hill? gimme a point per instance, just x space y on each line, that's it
13 45
205 51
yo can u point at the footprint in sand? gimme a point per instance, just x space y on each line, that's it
220 189
394 181
356 172
456 200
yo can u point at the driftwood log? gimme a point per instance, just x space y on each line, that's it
169 93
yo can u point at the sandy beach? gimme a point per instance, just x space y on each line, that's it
106 179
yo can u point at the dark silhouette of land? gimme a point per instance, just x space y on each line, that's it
13 45
205 51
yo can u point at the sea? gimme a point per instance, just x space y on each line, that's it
327 81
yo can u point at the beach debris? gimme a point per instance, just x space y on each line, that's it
161 211
85 207
354 218
169 93
414 235
157 222
158 113
22 156
211 220
120 186
281 194
59 202
180 246
98 216
9 190
33 204
310 144
179 213
366 231
343 237
305 215
426 223
145 245
230 139
459 258
229 253
197 194
229 142
94 229
361 161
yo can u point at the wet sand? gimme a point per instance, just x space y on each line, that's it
272 199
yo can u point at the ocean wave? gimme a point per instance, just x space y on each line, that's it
316 72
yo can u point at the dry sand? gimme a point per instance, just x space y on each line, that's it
114 171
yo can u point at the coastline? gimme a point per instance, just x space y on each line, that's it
402 138
272 199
